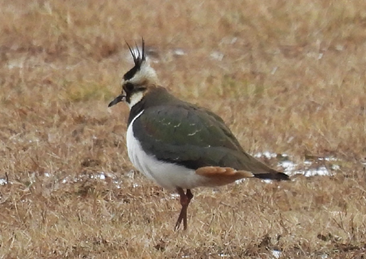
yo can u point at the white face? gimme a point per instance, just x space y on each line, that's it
135 98
134 86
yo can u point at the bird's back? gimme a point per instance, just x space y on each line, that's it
178 132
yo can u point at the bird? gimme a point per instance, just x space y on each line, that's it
177 144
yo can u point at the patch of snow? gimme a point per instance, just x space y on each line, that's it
335 167
322 170
265 154
101 176
307 162
179 52
288 166
327 159
131 174
117 184
276 253
240 180
174 196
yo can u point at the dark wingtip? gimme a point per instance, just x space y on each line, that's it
273 176
282 176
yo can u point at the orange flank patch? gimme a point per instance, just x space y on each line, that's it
223 175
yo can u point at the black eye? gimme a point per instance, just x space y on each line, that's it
129 87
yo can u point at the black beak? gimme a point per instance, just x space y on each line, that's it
118 99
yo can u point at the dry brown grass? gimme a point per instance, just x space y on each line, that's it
291 80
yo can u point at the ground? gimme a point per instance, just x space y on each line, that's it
288 77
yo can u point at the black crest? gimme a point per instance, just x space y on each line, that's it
138 59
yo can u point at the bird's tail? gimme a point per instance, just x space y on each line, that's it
272 175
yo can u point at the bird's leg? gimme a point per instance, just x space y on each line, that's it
185 199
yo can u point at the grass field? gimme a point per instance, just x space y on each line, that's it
288 77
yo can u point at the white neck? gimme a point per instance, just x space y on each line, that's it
135 98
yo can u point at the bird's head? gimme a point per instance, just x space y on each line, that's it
137 80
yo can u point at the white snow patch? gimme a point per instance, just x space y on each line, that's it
335 167
276 253
322 171
117 184
307 162
101 176
288 166
174 196
265 154
240 180
179 52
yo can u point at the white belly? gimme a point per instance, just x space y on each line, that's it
167 175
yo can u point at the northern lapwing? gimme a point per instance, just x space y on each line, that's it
179 145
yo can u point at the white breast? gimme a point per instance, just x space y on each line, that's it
167 175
